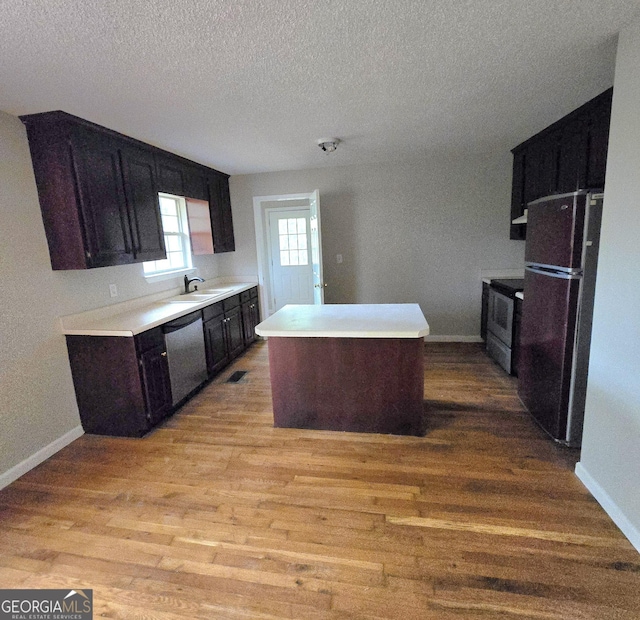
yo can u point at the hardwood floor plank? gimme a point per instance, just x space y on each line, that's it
216 514
496 530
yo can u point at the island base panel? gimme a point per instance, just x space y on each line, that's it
365 385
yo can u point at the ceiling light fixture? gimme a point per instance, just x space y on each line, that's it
328 145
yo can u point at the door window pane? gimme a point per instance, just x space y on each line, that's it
292 235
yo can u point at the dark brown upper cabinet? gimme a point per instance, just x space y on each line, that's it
141 191
98 192
569 155
195 182
220 207
181 177
171 175
89 197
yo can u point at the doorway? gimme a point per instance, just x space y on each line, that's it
289 248
290 257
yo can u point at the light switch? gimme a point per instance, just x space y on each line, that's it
113 290
338 258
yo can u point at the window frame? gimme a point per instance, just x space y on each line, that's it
183 234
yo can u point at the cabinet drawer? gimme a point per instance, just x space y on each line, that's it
254 292
245 296
231 303
499 352
212 311
149 339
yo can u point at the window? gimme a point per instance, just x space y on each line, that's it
292 233
173 211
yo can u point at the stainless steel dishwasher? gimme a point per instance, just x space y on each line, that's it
184 339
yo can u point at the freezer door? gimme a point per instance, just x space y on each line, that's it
555 231
549 314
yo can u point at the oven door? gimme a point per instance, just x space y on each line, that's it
500 316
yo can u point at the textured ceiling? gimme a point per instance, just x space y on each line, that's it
251 85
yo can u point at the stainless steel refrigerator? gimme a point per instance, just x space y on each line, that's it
561 255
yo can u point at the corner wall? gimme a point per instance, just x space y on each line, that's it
419 231
610 460
38 411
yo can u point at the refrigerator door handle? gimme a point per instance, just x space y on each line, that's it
562 275
545 267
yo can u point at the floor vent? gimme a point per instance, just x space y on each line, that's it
236 376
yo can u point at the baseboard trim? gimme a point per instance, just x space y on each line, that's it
609 506
453 339
41 455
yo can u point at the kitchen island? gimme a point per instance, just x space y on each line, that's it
347 367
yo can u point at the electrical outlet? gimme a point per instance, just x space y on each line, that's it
113 290
338 258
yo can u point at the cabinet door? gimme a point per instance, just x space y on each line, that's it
221 219
598 144
484 311
235 333
515 344
548 164
250 318
572 157
142 200
171 175
195 183
518 231
156 384
102 200
229 242
215 345
247 324
540 175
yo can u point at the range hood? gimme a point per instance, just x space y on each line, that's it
522 219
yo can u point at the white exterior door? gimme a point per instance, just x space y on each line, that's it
316 248
290 246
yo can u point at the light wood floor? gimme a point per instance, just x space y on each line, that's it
219 515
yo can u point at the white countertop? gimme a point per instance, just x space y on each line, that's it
136 316
501 274
346 321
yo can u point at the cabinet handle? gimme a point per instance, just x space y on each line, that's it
163 354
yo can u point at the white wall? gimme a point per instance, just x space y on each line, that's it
408 232
37 401
610 459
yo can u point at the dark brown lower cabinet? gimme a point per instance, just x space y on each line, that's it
234 331
122 384
515 346
224 334
156 384
484 313
215 341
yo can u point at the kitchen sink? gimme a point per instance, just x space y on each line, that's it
215 291
198 296
191 298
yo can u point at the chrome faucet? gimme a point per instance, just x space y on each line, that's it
188 280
